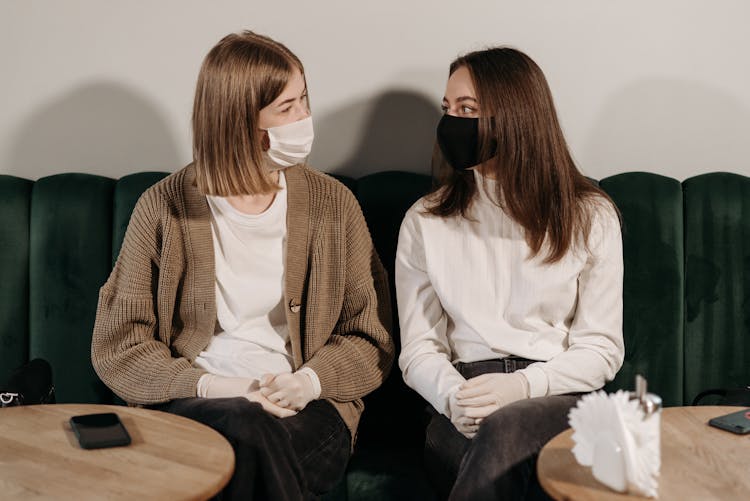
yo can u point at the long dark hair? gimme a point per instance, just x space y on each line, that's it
538 183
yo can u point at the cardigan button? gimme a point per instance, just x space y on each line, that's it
294 306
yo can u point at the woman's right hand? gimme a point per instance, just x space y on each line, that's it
213 386
268 406
466 424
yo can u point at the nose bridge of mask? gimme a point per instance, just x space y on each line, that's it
300 129
290 144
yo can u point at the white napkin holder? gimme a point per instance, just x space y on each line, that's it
618 436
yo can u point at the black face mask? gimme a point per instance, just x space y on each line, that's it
458 139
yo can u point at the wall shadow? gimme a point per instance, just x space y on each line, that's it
394 131
100 128
671 127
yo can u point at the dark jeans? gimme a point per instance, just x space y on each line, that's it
500 461
298 457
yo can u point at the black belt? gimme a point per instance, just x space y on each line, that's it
506 365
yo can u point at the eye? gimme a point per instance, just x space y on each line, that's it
467 110
286 110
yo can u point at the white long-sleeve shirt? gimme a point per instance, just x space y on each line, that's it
467 291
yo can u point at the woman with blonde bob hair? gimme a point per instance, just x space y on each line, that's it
247 294
509 282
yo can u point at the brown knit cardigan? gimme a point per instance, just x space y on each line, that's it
157 310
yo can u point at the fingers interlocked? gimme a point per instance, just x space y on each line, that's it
268 406
287 390
480 396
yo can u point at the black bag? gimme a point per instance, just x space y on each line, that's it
733 396
28 385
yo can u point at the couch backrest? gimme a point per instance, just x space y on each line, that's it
654 282
717 285
15 202
69 238
687 326
394 412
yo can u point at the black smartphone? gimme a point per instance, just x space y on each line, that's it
95 431
736 422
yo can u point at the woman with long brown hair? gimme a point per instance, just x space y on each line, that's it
509 281
247 294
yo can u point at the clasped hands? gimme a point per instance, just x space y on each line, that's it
281 395
480 396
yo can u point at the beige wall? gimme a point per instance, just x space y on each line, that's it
106 86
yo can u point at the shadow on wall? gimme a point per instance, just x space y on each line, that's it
671 127
394 131
102 128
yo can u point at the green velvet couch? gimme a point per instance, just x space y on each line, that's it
686 296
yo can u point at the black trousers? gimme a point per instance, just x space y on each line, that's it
499 463
298 457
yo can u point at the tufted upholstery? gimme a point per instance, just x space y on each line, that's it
686 293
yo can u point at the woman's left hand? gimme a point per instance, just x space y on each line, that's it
489 392
291 391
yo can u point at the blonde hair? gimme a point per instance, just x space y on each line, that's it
242 74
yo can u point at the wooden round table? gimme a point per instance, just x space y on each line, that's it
170 457
697 462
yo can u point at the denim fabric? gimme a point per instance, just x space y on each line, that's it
500 461
298 457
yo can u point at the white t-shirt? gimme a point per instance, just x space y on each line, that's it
467 291
252 336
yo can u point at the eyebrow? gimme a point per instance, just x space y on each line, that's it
462 98
291 99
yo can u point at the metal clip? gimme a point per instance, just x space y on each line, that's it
649 402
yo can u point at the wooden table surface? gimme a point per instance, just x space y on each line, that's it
698 462
170 457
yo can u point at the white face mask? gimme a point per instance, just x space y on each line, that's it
290 144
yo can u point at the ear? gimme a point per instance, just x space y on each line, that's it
265 143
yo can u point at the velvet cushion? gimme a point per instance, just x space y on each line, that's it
70 259
128 190
651 208
15 203
394 413
717 297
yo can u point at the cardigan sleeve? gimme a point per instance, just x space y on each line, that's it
595 349
425 358
358 354
125 350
